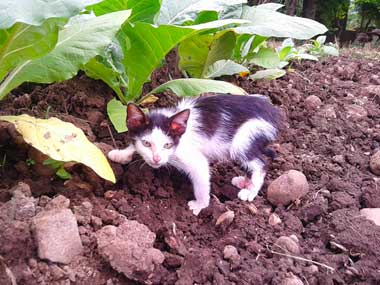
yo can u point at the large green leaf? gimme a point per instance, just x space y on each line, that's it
142 10
270 23
224 67
198 52
266 57
117 113
268 74
77 44
22 42
177 12
35 12
191 87
145 46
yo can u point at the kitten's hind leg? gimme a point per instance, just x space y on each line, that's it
122 156
251 190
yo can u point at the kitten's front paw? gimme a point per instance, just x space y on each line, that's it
247 195
120 156
197 206
241 182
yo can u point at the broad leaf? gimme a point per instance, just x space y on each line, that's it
117 112
146 45
76 45
197 53
269 23
142 10
330 50
61 141
192 87
268 74
22 42
284 52
224 67
266 57
35 12
177 12
270 6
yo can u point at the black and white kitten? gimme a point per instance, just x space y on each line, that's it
199 131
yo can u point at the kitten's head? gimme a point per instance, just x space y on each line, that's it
156 135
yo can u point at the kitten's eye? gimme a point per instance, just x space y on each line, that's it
146 143
168 145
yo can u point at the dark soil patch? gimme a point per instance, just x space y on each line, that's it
330 145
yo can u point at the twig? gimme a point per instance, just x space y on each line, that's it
113 139
303 259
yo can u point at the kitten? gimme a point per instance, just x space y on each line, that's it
202 130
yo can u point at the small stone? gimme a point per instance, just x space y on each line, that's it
287 188
230 253
291 280
356 112
57 236
252 208
312 269
274 219
83 213
339 159
59 202
373 90
288 244
313 102
374 163
129 249
372 214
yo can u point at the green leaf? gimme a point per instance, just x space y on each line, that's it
197 53
224 67
145 46
205 16
284 52
76 45
330 50
117 112
192 87
266 57
23 42
268 74
35 12
321 40
63 174
142 10
97 70
269 23
270 6
176 12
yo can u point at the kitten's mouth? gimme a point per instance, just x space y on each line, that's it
155 164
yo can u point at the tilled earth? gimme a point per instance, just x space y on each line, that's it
331 144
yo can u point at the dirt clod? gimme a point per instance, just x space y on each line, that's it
313 102
57 236
274 219
375 163
129 249
288 244
292 280
287 188
230 253
372 214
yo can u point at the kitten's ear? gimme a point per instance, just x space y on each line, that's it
178 122
135 117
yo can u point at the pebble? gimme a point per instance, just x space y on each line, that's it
83 213
59 202
313 102
372 214
287 188
288 244
292 280
374 163
274 219
230 253
57 236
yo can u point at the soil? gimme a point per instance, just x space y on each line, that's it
331 145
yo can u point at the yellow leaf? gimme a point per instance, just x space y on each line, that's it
148 99
61 141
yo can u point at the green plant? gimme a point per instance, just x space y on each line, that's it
30 162
58 168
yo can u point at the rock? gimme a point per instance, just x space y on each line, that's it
230 253
374 163
59 202
274 219
313 102
83 213
373 90
372 214
226 218
129 249
57 236
289 244
291 280
173 260
356 112
287 188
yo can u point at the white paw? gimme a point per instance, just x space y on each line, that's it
247 195
240 182
196 206
120 156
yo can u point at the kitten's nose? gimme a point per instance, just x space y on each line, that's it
156 158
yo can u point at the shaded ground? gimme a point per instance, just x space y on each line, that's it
331 145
